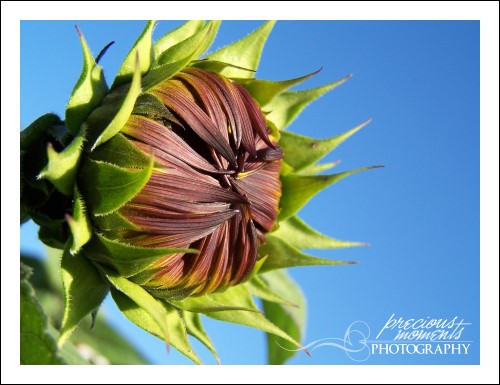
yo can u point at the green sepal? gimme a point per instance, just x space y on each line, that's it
219 66
282 255
191 47
299 189
174 37
257 287
253 319
150 106
315 169
298 234
180 55
175 324
118 120
234 298
302 151
285 107
290 319
264 91
143 299
128 260
88 92
114 222
143 49
79 223
121 152
37 128
107 187
243 53
84 290
37 347
195 328
62 166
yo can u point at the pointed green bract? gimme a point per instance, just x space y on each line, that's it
299 189
114 222
290 319
62 166
243 53
191 47
297 233
176 326
252 319
264 91
112 186
286 106
88 92
302 151
180 55
120 152
143 49
283 255
195 329
143 299
174 37
127 259
84 290
121 117
258 288
234 298
317 168
79 224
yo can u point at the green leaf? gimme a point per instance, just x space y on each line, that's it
299 189
62 166
259 288
234 298
264 91
290 319
298 234
128 260
282 255
302 151
179 34
285 107
243 53
180 55
35 130
105 344
252 319
143 50
317 168
107 187
69 352
37 347
143 299
84 291
88 92
125 109
79 224
195 329
143 319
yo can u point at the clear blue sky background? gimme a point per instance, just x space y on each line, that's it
419 81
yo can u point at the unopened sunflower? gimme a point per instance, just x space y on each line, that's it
177 187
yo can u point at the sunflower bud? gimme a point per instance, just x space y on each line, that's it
214 187
177 188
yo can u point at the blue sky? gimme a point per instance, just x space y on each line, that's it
419 82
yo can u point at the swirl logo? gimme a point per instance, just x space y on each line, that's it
354 342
